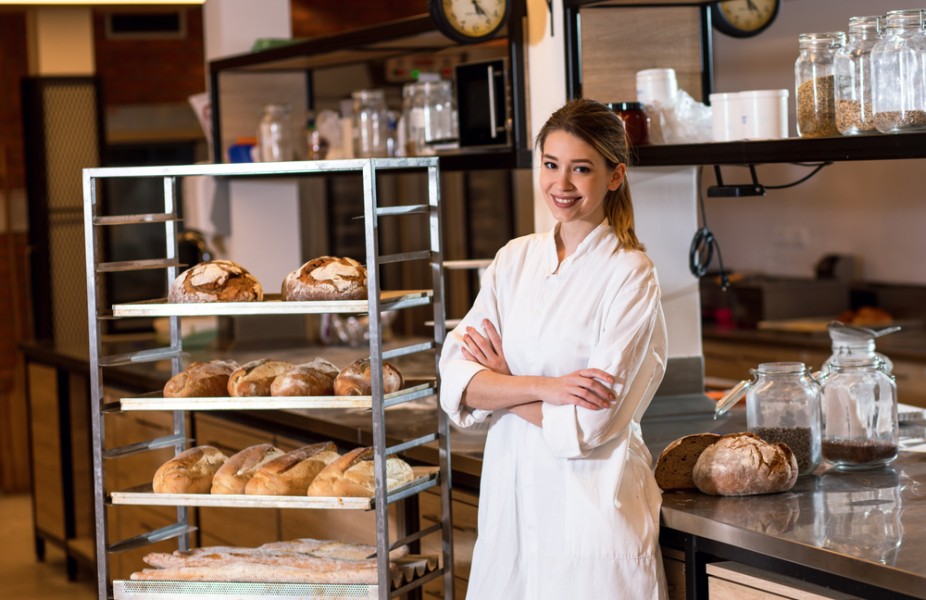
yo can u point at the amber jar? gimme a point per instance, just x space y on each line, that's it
635 119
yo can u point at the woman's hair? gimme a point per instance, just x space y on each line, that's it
596 125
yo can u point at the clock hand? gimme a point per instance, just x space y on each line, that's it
478 8
752 6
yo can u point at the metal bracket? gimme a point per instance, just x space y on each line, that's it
735 191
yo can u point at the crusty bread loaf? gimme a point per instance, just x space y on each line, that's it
742 464
201 380
326 278
676 462
354 379
315 378
216 281
255 378
353 475
190 472
234 475
291 474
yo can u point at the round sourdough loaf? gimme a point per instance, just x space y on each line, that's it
326 278
201 380
216 281
354 379
675 464
315 378
742 464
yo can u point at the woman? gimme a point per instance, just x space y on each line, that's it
562 352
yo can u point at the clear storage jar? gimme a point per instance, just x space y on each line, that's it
369 124
814 80
852 65
273 136
897 67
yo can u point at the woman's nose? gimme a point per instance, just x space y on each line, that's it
563 180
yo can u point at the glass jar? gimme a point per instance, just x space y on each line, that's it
860 428
897 62
369 125
815 83
273 137
852 66
636 121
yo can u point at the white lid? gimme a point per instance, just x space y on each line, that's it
724 95
765 93
656 74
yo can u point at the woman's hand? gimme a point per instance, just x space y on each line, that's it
485 349
587 388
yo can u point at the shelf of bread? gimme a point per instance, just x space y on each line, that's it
271 305
424 478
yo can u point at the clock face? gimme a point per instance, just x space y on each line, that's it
744 18
470 20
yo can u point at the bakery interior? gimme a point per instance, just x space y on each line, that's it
119 85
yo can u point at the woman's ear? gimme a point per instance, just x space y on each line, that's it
617 176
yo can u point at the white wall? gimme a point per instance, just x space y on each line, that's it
874 210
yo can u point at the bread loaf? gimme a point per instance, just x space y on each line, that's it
291 474
216 281
353 475
326 278
742 464
315 378
675 464
354 379
201 380
190 472
256 377
234 475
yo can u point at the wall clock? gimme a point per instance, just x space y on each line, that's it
744 18
469 21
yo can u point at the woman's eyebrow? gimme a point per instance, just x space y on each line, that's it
574 161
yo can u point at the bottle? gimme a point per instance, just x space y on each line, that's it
273 134
636 121
852 65
316 144
369 128
897 73
814 83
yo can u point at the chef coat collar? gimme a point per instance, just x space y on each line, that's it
596 236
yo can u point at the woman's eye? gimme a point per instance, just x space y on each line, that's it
549 165
581 169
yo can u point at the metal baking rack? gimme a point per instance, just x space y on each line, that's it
99 266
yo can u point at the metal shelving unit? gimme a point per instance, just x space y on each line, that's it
97 266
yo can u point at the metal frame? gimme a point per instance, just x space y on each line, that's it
96 265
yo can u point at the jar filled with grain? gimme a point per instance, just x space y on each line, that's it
852 65
815 83
898 61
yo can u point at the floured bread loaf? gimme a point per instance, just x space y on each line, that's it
742 464
315 378
201 380
326 278
255 378
353 475
675 464
190 472
291 474
238 470
216 281
354 379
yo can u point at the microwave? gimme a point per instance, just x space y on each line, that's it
483 103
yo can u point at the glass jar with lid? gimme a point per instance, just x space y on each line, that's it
853 342
369 124
852 66
782 405
897 68
814 82
273 136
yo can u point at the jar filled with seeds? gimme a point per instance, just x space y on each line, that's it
814 81
897 68
852 66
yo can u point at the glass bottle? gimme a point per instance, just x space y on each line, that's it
859 407
317 145
897 63
815 85
438 111
852 66
273 134
369 123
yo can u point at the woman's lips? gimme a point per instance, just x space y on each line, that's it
565 202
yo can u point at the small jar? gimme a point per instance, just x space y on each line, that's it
897 73
273 134
815 85
636 121
369 127
852 66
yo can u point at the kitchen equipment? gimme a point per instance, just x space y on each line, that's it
755 299
483 111
898 97
368 125
782 405
852 66
273 134
636 121
814 83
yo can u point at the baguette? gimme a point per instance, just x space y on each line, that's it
190 472
234 475
291 474
353 475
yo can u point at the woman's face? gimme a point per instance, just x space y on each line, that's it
575 178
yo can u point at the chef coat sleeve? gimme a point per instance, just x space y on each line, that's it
455 370
632 347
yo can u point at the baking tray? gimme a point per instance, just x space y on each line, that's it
271 305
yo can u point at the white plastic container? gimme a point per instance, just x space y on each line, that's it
657 87
764 114
726 117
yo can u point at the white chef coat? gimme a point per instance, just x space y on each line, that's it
569 510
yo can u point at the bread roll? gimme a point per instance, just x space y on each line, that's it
742 464
234 475
675 464
353 475
315 378
291 474
216 281
190 472
354 379
327 278
201 380
255 378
